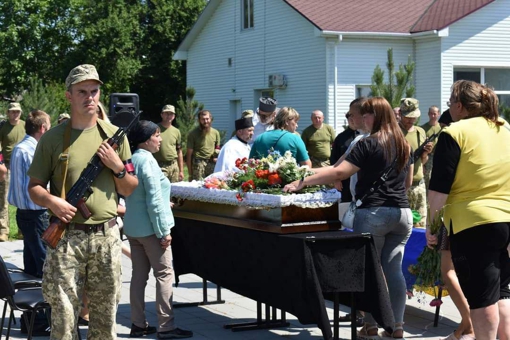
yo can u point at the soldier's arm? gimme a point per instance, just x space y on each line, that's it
3 172
180 164
189 152
41 196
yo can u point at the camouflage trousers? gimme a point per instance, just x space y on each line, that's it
319 163
417 195
202 168
170 170
4 205
84 261
427 170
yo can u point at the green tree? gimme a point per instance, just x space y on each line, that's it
187 110
161 79
50 99
504 111
35 37
398 83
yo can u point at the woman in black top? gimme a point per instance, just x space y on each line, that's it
384 213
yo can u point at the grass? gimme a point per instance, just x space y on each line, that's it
13 232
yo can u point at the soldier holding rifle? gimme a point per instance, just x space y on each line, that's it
88 256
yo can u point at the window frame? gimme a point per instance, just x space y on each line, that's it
247 20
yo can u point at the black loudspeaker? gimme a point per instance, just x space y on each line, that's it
123 108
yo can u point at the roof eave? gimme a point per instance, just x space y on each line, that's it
182 51
394 35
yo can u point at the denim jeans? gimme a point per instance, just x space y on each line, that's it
32 224
390 228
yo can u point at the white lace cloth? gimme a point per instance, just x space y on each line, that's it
195 191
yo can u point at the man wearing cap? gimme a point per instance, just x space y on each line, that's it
63 117
11 133
318 139
431 128
416 136
169 156
203 148
88 255
263 120
236 147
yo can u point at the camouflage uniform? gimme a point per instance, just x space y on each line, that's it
10 135
417 195
170 170
84 261
202 168
205 147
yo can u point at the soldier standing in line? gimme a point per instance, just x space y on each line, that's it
415 136
11 133
203 148
88 257
431 127
169 156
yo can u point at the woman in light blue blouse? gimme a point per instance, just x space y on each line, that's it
147 224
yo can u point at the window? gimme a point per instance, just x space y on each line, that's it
497 78
247 14
363 91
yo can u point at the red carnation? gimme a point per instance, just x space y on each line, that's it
274 179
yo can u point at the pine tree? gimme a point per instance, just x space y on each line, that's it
187 110
399 83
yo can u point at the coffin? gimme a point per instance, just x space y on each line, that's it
272 213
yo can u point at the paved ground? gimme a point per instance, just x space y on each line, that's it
207 321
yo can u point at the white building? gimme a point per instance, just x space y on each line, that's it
321 54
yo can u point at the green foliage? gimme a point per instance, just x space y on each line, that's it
399 82
504 111
50 99
130 42
187 110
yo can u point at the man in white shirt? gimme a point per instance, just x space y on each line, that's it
237 146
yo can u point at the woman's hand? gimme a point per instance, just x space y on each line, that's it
431 239
166 241
294 186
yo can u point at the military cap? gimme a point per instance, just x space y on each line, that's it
63 116
409 107
81 73
168 108
14 107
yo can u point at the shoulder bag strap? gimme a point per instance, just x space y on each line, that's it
283 134
377 183
64 157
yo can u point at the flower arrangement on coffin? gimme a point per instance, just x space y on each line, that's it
267 175
428 266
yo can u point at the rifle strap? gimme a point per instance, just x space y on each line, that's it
64 157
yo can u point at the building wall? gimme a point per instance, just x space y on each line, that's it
356 60
478 40
428 74
281 42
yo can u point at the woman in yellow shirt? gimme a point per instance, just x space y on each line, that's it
471 180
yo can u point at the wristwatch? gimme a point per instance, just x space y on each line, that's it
120 174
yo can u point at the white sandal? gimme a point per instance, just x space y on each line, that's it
398 327
368 332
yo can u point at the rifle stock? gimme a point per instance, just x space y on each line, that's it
54 233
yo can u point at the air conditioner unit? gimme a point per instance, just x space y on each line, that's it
277 80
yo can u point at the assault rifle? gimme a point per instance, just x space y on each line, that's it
421 148
80 191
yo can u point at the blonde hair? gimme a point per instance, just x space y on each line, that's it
284 115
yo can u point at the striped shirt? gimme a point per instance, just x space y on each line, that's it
21 158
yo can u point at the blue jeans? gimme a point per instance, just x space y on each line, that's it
390 228
32 224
